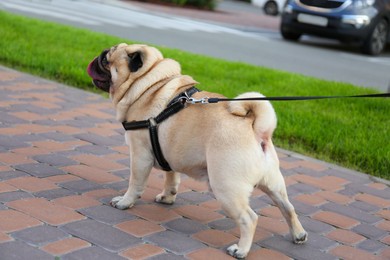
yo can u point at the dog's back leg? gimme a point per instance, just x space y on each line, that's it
171 186
275 187
236 204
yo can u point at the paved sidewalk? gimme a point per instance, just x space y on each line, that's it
62 158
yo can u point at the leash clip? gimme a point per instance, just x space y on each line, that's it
204 100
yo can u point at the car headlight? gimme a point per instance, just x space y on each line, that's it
363 3
356 20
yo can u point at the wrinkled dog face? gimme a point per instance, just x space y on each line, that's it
113 66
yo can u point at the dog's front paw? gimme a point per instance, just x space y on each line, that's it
120 202
165 199
236 252
300 238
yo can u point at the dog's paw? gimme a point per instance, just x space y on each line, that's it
234 251
300 238
121 203
165 199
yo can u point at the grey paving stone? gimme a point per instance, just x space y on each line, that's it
58 136
195 197
40 170
315 226
125 174
55 160
107 214
12 174
385 194
54 194
371 246
303 209
78 124
47 122
80 186
100 234
94 253
167 256
174 242
6 118
39 236
125 162
311 172
351 212
319 241
364 206
29 138
302 252
348 174
185 226
370 231
98 139
222 224
120 185
257 203
14 195
2 207
17 250
299 188
95 149
11 142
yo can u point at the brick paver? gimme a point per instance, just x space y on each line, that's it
63 157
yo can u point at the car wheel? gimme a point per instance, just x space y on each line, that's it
289 35
271 8
377 39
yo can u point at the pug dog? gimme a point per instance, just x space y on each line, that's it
227 144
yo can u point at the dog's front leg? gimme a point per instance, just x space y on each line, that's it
172 181
139 172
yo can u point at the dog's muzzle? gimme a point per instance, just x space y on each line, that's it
101 77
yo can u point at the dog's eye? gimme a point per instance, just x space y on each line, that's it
104 62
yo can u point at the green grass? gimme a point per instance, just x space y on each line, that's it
349 132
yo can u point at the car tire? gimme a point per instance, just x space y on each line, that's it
289 35
377 39
271 8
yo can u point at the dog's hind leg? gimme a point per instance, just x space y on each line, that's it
236 204
275 187
171 186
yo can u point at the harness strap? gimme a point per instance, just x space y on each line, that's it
176 104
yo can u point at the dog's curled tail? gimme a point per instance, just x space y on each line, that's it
262 113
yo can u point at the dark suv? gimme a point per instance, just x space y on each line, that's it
364 21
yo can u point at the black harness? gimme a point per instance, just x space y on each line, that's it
176 104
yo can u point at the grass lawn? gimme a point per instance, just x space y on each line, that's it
350 132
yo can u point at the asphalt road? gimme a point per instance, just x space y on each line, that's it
318 58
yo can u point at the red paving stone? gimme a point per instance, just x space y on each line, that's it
45 211
139 227
77 201
336 219
98 171
215 238
32 184
65 246
141 252
12 220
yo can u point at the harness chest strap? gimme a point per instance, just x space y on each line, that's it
177 104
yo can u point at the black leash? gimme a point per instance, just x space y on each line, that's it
207 100
179 102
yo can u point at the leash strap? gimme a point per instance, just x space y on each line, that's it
177 104
291 98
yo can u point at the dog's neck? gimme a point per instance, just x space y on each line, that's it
164 74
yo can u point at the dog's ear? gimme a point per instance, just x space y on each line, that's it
135 61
